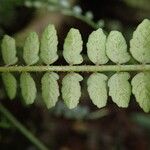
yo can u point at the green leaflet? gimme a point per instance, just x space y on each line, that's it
116 48
71 90
49 42
31 49
96 47
10 84
141 90
120 89
97 89
73 47
28 88
140 43
8 47
50 89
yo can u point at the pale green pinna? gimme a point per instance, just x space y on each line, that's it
141 90
71 89
96 47
97 89
49 43
120 89
50 89
10 84
8 48
31 49
116 48
73 47
28 88
140 42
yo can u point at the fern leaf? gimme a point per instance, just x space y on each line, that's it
97 89
96 47
71 90
8 47
116 48
120 89
28 88
10 84
31 49
48 48
141 90
99 49
140 43
50 89
73 47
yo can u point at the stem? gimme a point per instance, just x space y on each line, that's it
69 12
98 114
83 68
80 17
22 129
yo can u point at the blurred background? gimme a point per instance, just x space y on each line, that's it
85 127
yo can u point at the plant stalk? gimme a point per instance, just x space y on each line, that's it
83 68
22 129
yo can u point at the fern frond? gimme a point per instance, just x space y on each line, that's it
100 50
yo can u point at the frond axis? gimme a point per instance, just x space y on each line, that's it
78 68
